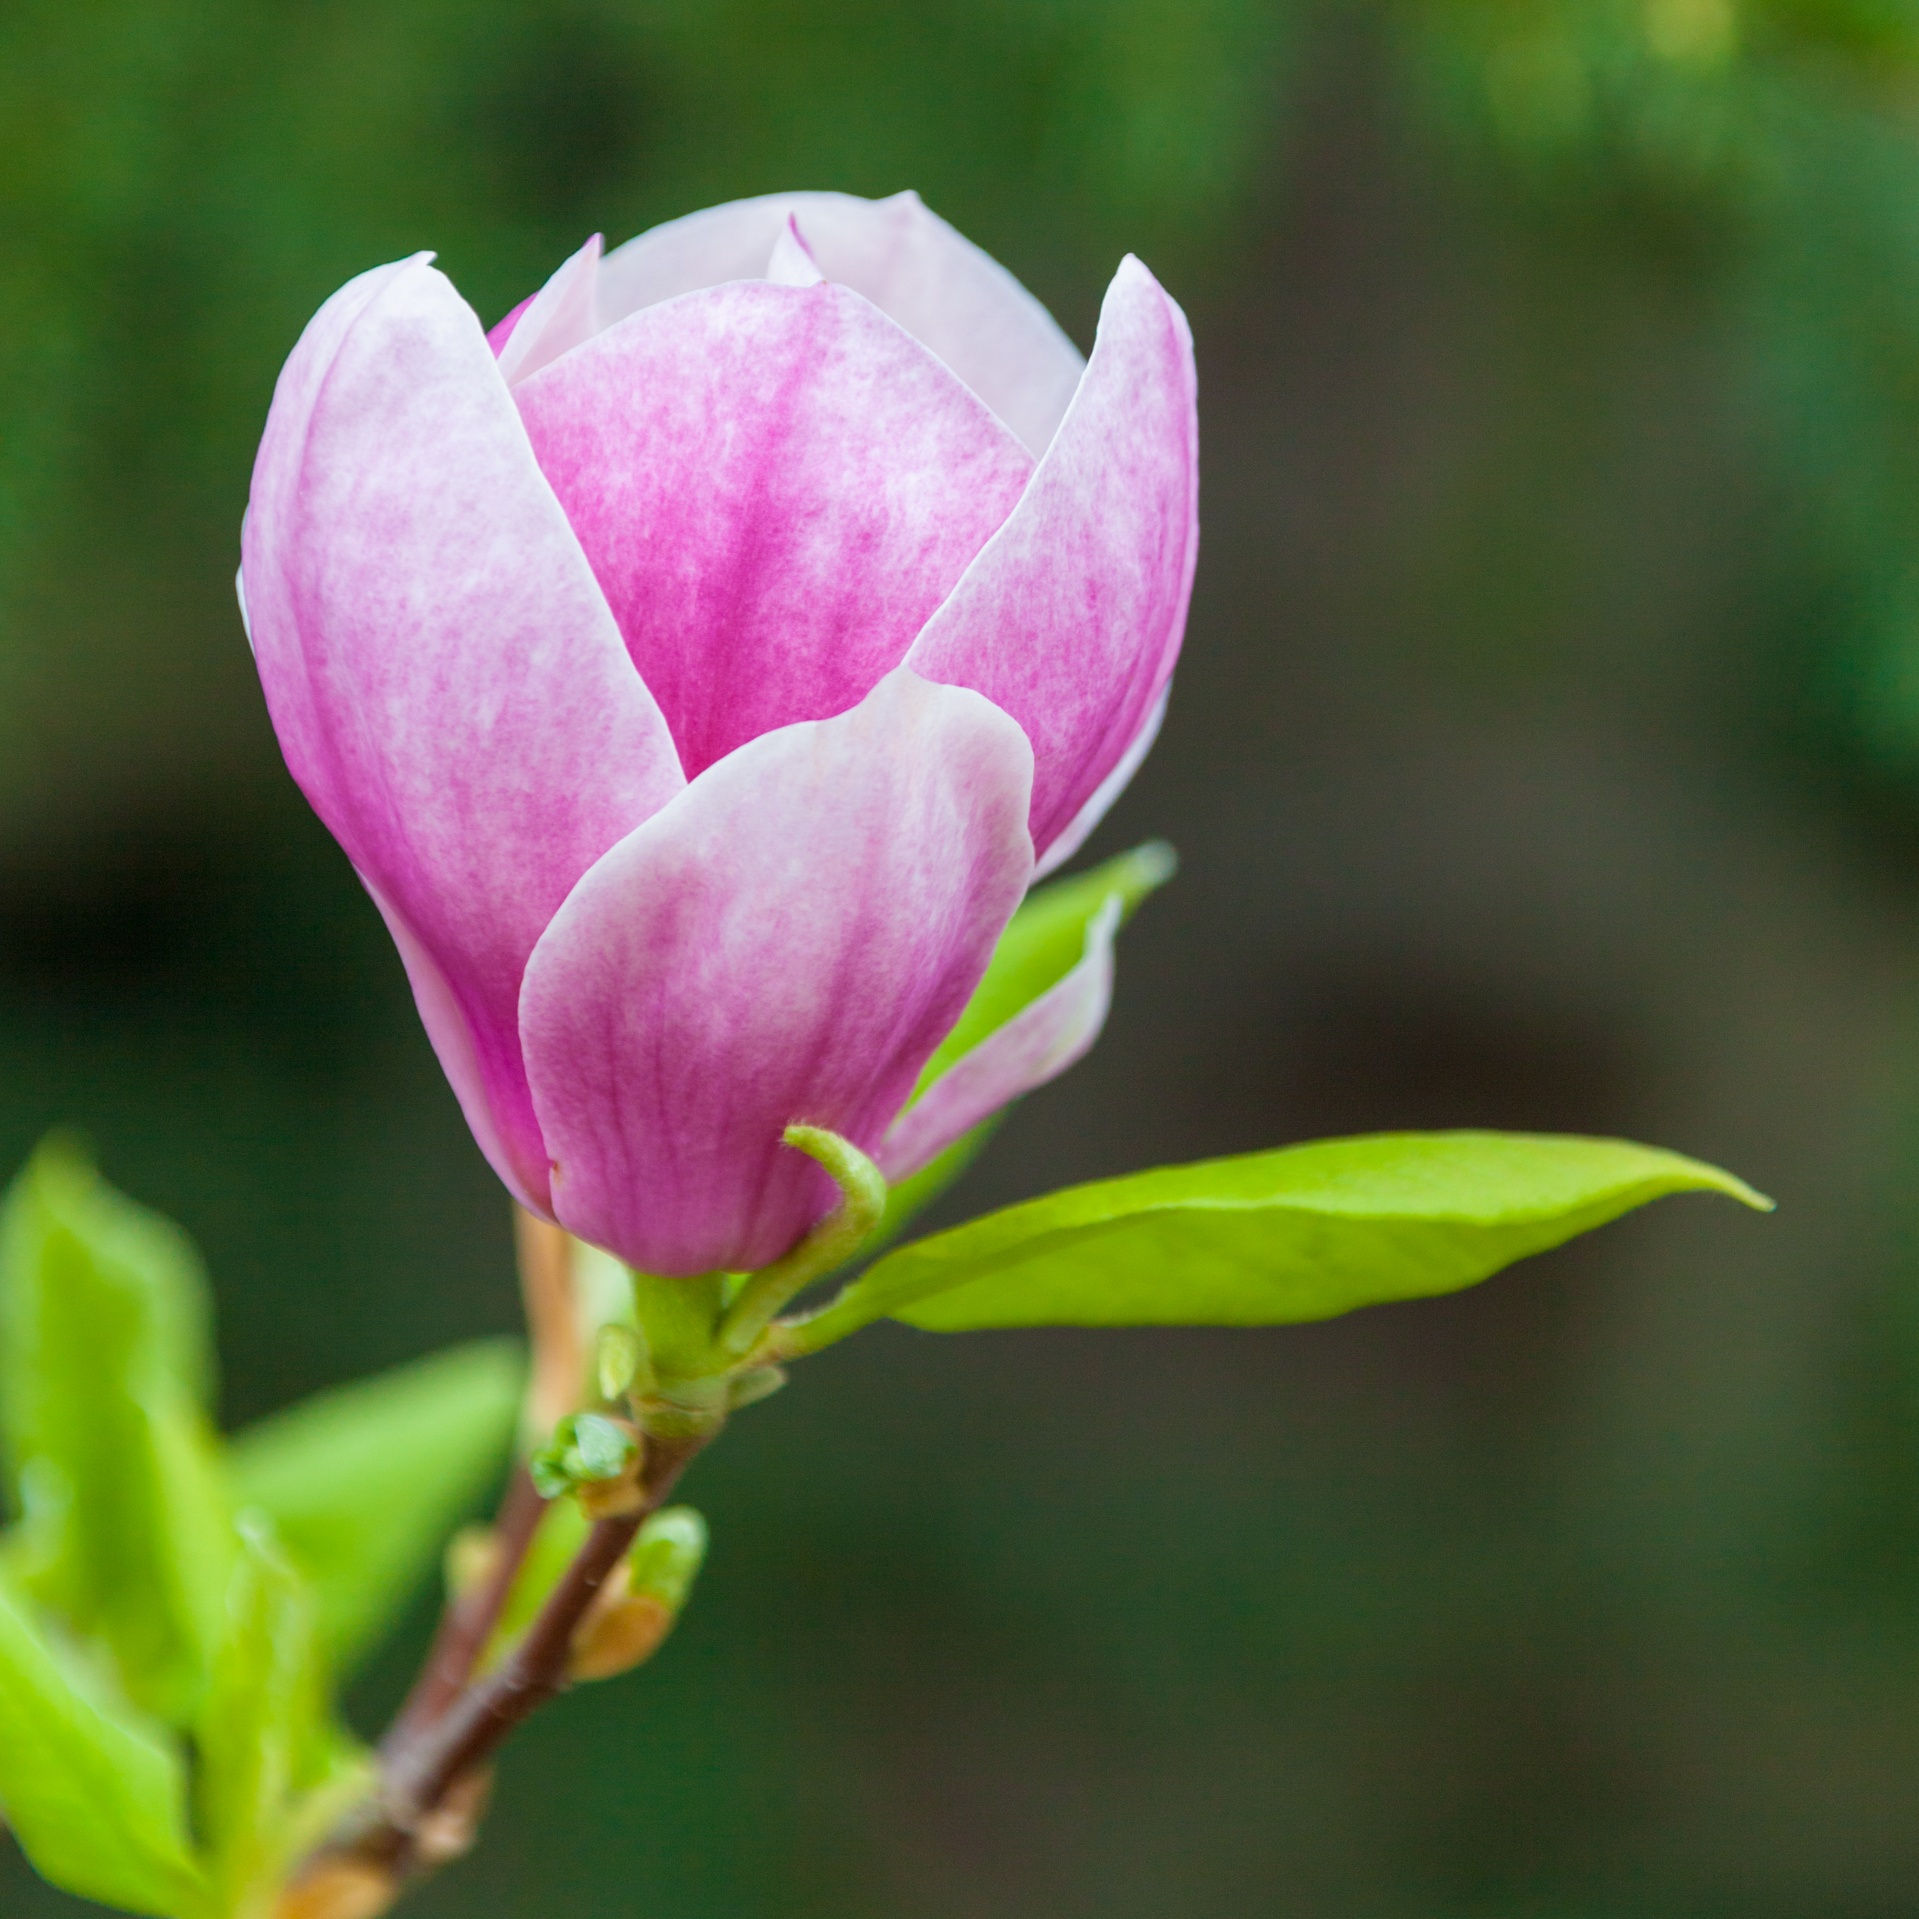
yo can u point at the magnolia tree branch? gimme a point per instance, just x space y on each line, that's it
468 1622
548 1292
430 1764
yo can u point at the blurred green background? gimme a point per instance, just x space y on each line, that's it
1546 754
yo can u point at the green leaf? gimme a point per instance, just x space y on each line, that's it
1045 940
1302 1233
363 1483
1042 943
563 1530
906 1199
103 1368
262 1734
95 1796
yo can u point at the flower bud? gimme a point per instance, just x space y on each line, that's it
619 1355
471 1555
800 510
637 1607
587 1452
339 1889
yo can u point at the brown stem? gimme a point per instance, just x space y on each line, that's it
427 1764
549 1291
468 1623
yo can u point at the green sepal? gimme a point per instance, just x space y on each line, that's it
362 1484
263 1738
94 1791
1302 1233
103 1370
1042 943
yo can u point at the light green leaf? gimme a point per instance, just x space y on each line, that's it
102 1370
262 1734
906 1199
364 1483
95 1796
1045 940
563 1530
1298 1234
1042 943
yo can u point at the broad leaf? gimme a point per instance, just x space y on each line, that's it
364 1483
1045 940
911 1196
1042 943
103 1367
96 1797
262 1734
1302 1233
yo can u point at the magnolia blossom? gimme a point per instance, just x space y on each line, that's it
699 668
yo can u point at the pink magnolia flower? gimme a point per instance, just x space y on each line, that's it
698 670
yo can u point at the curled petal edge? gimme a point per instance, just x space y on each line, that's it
1037 1044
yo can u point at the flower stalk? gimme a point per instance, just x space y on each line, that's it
431 1768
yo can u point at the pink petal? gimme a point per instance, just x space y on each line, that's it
791 263
955 299
1071 617
775 486
451 1034
563 313
447 683
1080 829
1038 1043
501 331
788 941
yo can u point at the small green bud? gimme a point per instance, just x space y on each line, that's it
603 1448
667 1556
639 1604
586 1449
618 1355
471 1555
748 1389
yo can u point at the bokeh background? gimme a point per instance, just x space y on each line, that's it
1546 754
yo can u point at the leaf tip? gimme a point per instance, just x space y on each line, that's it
1154 863
1736 1188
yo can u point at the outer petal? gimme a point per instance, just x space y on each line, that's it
946 292
1071 617
448 685
776 486
452 1035
1038 1043
563 313
789 940
1080 829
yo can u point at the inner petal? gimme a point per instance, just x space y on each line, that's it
775 487
957 301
